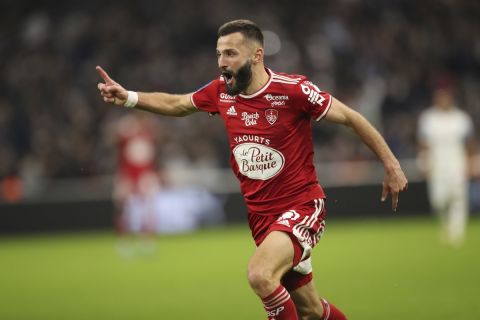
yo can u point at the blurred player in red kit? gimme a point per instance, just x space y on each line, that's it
136 182
268 117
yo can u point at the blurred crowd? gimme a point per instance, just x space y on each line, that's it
383 58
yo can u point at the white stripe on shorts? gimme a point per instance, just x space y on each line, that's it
302 230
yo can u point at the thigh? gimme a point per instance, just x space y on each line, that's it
304 224
307 302
274 256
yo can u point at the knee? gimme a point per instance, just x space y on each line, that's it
260 280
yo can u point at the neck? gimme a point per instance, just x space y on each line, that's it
259 78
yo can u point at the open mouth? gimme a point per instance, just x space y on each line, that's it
228 76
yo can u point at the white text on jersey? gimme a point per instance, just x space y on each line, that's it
313 93
226 97
250 118
251 138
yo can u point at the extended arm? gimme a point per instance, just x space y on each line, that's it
177 105
395 180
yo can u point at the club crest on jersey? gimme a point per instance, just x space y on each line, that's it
271 115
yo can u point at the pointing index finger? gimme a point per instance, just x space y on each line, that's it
104 75
394 201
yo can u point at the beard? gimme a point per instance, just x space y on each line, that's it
242 79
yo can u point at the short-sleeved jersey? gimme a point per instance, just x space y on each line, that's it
136 149
270 139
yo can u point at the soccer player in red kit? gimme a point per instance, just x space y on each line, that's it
268 115
136 182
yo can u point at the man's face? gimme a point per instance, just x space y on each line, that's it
234 54
443 99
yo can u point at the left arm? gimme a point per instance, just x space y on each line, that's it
395 180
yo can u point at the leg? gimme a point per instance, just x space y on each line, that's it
307 302
272 259
439 202
310 307
282 263
458 215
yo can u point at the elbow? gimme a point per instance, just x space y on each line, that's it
347 123
183 112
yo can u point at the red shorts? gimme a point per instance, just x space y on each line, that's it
304 224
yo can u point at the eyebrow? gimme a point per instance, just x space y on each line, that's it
226 50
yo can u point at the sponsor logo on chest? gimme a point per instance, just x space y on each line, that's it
276 100
226 98
251 138
257 161
250 118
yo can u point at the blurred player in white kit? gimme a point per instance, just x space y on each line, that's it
446 156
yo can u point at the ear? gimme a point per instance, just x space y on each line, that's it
258 55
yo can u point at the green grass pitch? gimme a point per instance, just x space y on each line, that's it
372 269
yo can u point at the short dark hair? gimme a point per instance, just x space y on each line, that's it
248 28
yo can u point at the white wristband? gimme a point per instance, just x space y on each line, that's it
132 99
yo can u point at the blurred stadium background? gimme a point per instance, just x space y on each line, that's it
58 156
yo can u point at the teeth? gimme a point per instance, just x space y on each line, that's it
228 77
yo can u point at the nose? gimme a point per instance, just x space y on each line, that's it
222 64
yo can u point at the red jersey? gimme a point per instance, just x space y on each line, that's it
270 139
136 149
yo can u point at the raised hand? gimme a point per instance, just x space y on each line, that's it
111 91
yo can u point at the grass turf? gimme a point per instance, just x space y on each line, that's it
372 269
